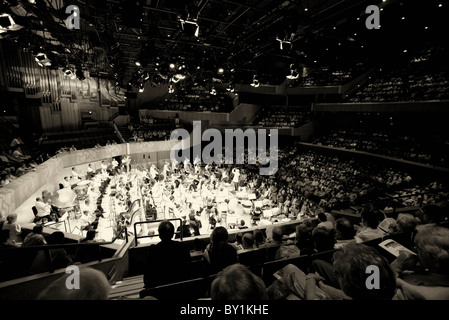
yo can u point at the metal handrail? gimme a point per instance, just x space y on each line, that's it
136 237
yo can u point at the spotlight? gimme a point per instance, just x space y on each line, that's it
213 91
220 70
141 87
171 89
138 63
172 66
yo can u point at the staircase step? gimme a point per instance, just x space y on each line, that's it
128 287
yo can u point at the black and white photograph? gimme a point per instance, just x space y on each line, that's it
224 158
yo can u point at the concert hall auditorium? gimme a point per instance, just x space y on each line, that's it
220 150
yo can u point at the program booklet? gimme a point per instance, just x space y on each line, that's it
394 247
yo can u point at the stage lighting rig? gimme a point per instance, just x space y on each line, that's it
294 74
7 23
256 82
189 26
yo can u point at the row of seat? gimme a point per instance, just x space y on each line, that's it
198 286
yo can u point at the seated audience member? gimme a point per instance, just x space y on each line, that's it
219 253
434 214
275 239
330 217
406 223
167 261
15 230
237 282
34 238
23 169
406 229
286 251
5 240
304 240
93 285
198 248
350 264
324 222
344 232
259 238
369 230
18 155
59 257
425 275
323 239
349 268
247 242
238 243
388 226
85 253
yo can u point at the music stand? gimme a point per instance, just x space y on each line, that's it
64 218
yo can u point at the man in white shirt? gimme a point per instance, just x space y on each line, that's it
90 171
43 209
114 164
75 173
236 178
103 167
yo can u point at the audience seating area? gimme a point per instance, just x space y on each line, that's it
150 129
259 261
292 118
84 139
391 135
420 80
322 77
196 99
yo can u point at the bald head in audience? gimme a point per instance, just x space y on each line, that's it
93 285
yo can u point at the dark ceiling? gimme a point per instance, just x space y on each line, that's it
240 37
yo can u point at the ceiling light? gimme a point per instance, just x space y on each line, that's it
172 66
138 63
220 70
